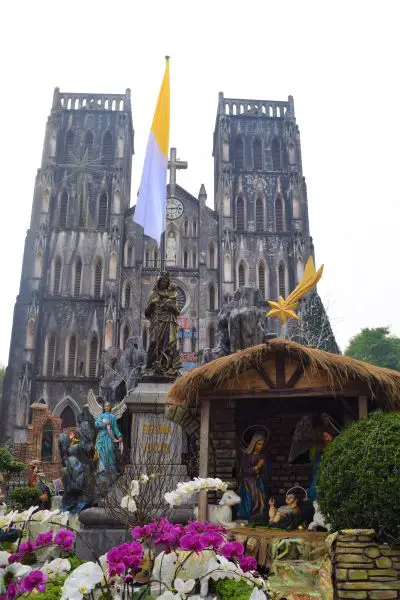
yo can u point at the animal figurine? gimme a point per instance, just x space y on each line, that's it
193 566
318 521
221 513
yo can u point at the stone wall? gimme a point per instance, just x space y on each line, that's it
365 569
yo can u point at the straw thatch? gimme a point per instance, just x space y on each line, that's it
383 384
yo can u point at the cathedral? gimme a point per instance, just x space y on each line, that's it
88 269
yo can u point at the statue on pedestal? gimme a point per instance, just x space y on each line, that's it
162 311
109 446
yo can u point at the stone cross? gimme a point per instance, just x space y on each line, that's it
173 165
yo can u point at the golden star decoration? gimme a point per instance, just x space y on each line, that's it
282 310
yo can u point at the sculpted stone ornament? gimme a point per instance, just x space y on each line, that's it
162 311
122 371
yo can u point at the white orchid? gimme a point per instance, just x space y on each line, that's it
82 581
135 488
168 596
188 488
4 558
22 517
16 570
129 503
57 566
257 595
184 587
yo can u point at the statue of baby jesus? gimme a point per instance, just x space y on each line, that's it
289 509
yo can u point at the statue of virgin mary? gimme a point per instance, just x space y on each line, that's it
253 489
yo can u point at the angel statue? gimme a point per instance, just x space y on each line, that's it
109 438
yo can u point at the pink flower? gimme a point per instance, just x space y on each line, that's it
44 539
27 547
215 540
193 542
65 539
11 591
35 579
232 550
248 563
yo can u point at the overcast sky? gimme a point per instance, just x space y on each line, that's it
340 61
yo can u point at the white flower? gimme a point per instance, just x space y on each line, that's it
4 558
82 581
168 596
184 587
257 595
135 488
144 478
129 503
17 570
57 566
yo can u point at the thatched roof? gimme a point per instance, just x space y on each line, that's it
339 370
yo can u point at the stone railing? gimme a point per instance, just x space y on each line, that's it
365 569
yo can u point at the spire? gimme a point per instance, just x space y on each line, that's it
202 195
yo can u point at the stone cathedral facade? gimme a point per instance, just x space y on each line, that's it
88 268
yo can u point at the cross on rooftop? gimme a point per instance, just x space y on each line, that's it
173 165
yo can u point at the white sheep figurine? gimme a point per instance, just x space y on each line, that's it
183 564
221 513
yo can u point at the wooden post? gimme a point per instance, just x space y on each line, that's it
204 444
362 407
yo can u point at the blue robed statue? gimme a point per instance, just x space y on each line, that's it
109 438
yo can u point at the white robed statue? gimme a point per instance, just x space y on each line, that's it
109 438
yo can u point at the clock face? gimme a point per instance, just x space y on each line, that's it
174 209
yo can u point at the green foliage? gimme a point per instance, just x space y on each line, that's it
53 589
358 482
229 589
23 497
75 561
376 346
8 465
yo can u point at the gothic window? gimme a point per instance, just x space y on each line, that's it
98 276
259 214
144 338
186 228
155 258
276 155
89 145
212 256
67 418
211 336
282 280
51 351
194 228
278 214
125 336
194 259
181 339
93 349
296 208
185 260
30 334
257 154
71 356
239 153
211 301
193 339
113 265
240 213
292 154
37 272
107 157
47 442
78 277
63 210
147 258
242 275
57 276
102 214
129 254
69 147
127 295
261 279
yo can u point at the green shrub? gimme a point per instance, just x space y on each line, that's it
229 589
8 465
358 481
24 497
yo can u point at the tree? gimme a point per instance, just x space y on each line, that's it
313 327
377 346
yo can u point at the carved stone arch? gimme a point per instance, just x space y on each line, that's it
212 255
212 300
263 278
62 404
257 152
282 275
242 273
125 334
129 253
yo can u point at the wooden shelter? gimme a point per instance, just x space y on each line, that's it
273 385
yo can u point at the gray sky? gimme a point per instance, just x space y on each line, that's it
340 61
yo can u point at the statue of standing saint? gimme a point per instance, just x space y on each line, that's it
162 311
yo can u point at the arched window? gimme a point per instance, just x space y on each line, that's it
242 275
259 214
261 279
212 256
89 145
239 153
107 157
193 339
194 259
185 260
276 155
129 254
57 276
147 258
211 336
37 271
62 222
282 280
144 338
51 353
93 349
240 213
47 442
227 268
125 336
78 277
279 214
186 227
257 154
98 276
155 258
194 228
113 265
127 295
292 154
71 356
69 146
67 418
30 334
211 293
102 213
